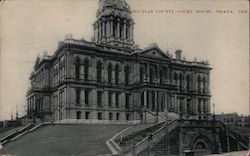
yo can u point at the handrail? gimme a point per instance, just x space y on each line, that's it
151 112
139 146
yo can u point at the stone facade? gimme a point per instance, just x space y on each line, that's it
111 79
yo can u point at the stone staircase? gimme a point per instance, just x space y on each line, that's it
142 142
159 149
126 142
17 134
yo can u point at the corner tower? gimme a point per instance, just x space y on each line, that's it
114 24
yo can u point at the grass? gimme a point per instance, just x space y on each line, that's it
65 140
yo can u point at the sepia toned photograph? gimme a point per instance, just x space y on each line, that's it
124 78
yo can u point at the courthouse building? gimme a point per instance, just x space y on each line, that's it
111 79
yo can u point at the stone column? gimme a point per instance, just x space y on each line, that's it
103 29
107 29
131 30
185 105
202 106
145 99
147 72
208 82
111 27
124 29
196 106
99 30
82 98
156 101
118 28
208 106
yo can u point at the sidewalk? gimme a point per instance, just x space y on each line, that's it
240 153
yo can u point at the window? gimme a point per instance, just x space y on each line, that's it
117 116
110 116
142 99
181 81
77 67
199 83
78 115
78 96
127 116
117 99
127 101
99 72
175 78
99 116
153 100
162 75
110 99
86 69
151 75
110 73
86 97
189 106
126 70
117 74
199 106
143 68
204 84
99 98
86 115
188 82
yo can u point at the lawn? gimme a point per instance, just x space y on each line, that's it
65 140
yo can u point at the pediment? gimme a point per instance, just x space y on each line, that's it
155 52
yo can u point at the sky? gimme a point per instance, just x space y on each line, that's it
218 32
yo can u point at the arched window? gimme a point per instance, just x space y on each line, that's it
126 70
204 84
188 82
175 78
86 69
142 73
181 81
110 73
117 70
77 67
162 75
199 83
151 75
199 106
99 71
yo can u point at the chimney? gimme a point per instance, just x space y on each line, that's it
178 54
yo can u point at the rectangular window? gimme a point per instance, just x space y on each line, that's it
86 115
99 116
99 98
78 96
117 116
110 99
110 116
117 99
127 101
127 116
86 97
78 114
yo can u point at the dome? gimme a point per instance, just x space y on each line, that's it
115 8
